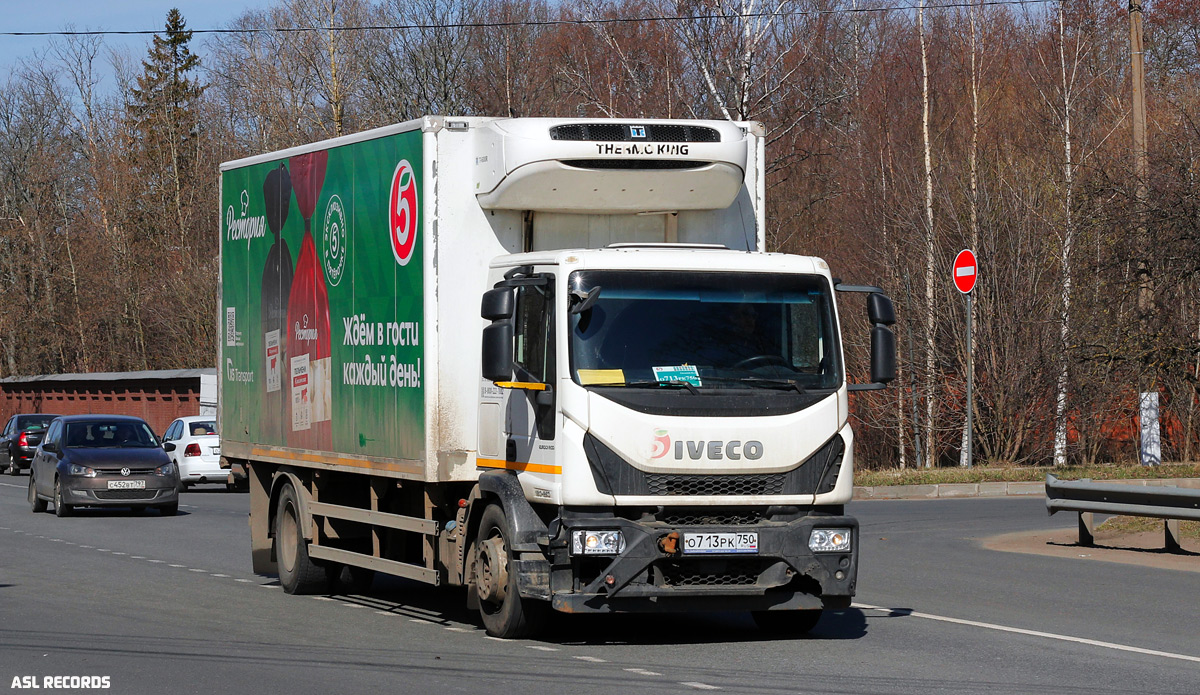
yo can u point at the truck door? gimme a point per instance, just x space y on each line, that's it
530 413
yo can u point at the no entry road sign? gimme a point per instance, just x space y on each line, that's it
966 270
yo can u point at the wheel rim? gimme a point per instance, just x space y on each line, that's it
287 537
58 503
492 582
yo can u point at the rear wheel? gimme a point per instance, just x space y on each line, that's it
60 508
298 574
37 504
13 468
505 614
787 623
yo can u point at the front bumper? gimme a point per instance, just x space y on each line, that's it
783 575
94 492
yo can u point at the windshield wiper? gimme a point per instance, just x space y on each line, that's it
759 381
673 383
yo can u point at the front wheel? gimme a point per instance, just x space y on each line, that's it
505 614
787 623
60 508
37 504
298 574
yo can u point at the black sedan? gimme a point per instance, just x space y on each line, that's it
20 439
102 461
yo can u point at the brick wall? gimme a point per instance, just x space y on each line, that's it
157 400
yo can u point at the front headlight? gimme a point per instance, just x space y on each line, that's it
76 469
597 542
829 540
165 469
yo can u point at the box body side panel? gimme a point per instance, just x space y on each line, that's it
322 285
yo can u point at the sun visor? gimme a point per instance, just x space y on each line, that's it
579 166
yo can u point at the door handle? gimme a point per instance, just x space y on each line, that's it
510 450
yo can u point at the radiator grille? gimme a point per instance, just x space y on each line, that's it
729 573
700 517
766 484
126 494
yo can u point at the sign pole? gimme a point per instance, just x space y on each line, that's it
970 384
965 273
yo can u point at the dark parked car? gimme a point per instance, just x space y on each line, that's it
102 460
21 437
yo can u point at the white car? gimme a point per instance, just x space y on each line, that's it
195 447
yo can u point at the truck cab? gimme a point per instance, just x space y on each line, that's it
677 416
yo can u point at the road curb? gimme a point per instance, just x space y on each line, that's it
960 490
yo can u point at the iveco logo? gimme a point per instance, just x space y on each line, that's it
637 131
713 450
124 471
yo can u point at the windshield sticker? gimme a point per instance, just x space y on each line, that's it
588 377
686 373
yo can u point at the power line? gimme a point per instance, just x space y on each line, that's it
534 23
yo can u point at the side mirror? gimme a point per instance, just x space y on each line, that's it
168 446
497 304
883 353
51 447
880 309
498 351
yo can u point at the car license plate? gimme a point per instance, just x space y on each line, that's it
216 450
706 543
126 484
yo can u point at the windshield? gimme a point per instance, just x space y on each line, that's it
711 330
200 429
124 435
34 422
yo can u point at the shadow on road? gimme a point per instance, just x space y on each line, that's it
447 607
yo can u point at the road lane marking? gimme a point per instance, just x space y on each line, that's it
495 639
643 672
158 562
592 659
388 613
116 553
193 569
451 628
23 487
700 686
223 576
244 581
137 557
176 565
1032 633
541 648
321 598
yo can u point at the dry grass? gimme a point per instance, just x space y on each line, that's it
1140 524
1011 474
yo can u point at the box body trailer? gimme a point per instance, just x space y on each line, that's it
546 359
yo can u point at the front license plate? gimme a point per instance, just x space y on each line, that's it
126 484
713 543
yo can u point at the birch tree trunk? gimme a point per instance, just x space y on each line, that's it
1060 408
973 201
930 315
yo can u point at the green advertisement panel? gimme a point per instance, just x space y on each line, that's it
322 300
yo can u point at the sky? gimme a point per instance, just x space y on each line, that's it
55 15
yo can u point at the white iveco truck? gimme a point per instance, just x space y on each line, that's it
548 360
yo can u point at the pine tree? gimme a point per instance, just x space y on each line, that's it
163 111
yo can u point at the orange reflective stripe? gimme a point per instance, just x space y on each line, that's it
518 466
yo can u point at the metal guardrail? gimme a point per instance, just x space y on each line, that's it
1086 497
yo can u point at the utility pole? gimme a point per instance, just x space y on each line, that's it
1151 447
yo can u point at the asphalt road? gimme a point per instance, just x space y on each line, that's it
169 605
